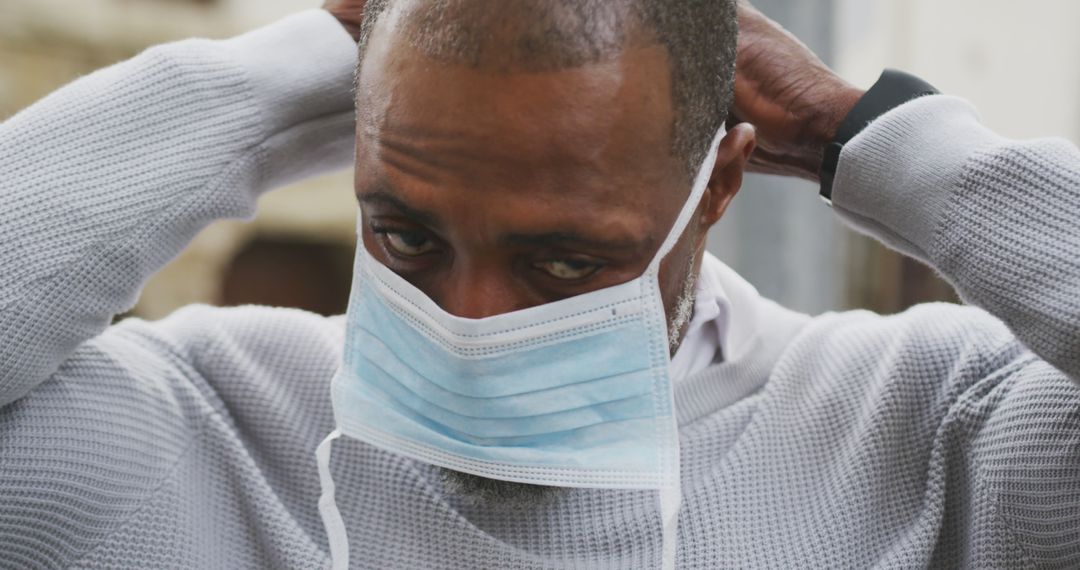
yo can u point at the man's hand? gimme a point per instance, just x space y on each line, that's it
349 12
790 96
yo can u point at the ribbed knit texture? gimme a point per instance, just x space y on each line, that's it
943 437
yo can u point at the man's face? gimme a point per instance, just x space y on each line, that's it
493 192
498 191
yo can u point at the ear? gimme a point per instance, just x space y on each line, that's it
732 156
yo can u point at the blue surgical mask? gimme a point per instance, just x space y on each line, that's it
575 393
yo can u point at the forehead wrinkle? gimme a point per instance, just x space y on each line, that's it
488 126
411 159
538 130
700 36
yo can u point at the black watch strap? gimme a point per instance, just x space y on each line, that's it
893 88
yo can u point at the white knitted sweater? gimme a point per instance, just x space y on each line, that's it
941 437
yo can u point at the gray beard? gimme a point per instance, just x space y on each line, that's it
495 493
486 492
684 309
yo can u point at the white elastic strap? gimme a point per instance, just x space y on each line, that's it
670 501
331 516
701 184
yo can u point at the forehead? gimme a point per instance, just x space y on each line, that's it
599 131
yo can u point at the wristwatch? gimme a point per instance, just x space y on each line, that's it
893 88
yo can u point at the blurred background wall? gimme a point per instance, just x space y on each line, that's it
1015 61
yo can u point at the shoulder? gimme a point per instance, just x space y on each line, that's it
209 336
919 363
1025 450
191 363
245 355
199 361
1004 424
93 443
939 335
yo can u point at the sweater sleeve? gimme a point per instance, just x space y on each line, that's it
107 179
998 218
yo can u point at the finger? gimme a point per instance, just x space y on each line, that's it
765 162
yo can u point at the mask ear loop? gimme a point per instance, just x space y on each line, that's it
670 501
701 183
328 510
671 495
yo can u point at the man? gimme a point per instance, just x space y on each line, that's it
943 437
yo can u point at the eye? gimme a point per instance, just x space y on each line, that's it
568 269
408 244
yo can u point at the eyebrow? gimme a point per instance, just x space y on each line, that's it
385 198
564 239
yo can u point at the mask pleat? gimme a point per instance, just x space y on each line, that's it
492 376
604 435
492 430
383 366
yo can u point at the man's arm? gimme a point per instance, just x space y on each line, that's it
998 218
107 179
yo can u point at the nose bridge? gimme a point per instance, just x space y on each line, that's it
478 290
